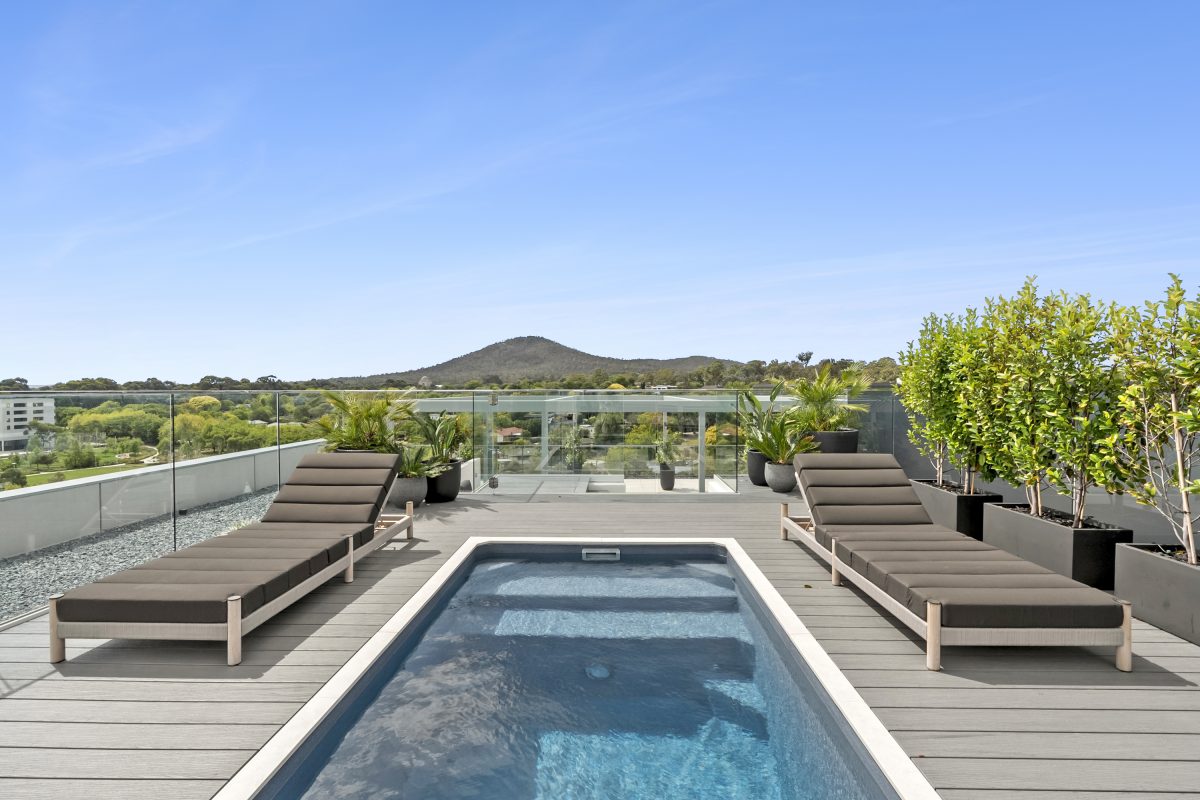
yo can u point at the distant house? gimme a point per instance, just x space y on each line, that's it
504 435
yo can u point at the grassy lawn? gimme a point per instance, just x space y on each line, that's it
47 477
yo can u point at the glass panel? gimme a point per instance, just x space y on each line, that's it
84 490
226 448
876 425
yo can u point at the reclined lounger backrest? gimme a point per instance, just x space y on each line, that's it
335 487
858 489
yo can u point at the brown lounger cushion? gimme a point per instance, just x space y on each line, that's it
296 571
335 487
893 476
1070 607
862 495
884 533
159 602
876 565
899 586
317 553
272 583
870 515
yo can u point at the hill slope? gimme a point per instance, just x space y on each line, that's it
530 357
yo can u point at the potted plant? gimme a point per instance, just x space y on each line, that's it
445 436
363 422
824 411
1160 412
780 442
412 475
1055 391
753 414
940 415
665 448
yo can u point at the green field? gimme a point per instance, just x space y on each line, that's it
48 477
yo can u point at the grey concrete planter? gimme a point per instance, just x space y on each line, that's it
756 467
405 489
843 441
960 512
1086 554
781 477
1164 592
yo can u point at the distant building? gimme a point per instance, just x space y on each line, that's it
16 413
508 434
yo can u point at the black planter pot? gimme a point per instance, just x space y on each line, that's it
1086 554
960 512
1164 591
444 488
756 467
843 441
666 477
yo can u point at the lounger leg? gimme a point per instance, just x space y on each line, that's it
835 577
348 575
1125 650
408 510
58 646
933 636
233 642
783 514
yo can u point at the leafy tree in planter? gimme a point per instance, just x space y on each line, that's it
975 433
1078 404
927 391
1159 349
1012 425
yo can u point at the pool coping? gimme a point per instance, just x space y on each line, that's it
896 766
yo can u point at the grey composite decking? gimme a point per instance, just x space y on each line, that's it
131 720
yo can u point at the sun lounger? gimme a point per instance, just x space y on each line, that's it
327 516
949 588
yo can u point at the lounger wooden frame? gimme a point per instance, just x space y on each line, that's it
937 635
387 527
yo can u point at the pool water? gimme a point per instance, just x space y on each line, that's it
592 681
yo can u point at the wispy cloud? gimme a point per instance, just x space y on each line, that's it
992 111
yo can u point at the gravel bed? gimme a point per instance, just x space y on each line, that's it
27 580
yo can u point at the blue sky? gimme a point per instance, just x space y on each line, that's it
314 189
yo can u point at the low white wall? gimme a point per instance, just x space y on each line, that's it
40 516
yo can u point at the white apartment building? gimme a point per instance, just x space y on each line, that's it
15 415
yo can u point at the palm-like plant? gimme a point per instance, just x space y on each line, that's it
779 440
363 421
414 462
823 401
445 435
755 414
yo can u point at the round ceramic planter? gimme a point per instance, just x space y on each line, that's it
666 477
406 489
843 441
756 465
445 487
781 477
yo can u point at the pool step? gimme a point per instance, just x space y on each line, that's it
571 603
739 702
622 624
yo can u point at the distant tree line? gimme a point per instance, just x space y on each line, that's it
717 374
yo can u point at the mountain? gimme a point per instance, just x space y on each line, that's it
529 358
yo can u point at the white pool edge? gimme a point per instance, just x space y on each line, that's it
907 781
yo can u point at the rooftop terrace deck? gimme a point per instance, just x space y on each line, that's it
135 720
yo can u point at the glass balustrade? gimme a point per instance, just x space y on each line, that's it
91 483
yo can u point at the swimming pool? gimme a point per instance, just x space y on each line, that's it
531 673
